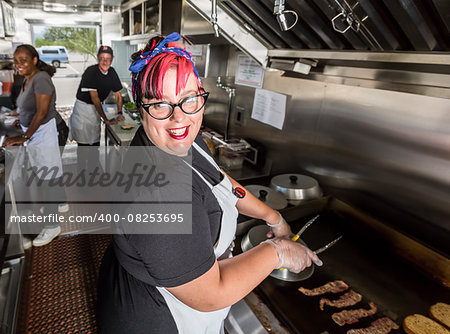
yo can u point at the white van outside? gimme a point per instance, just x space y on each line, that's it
53 54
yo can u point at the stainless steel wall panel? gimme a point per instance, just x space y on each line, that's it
192 23
382 150
429 84
372 127
430 58
232 31
393 76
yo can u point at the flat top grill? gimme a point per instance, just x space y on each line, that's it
366 266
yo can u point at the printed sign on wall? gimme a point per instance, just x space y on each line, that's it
249 72
2 29
8 19
269 107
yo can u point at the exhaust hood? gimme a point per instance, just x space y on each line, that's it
376 25
384 26
332 37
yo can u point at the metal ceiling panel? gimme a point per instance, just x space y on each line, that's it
331 9
386 25
260 10
318 24
438 24
300 30
413 24
443 10
250 19
378 27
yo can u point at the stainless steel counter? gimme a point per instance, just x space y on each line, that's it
12 264
115 135
10 282
248 172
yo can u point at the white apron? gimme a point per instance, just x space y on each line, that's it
43 149
187 319
84 123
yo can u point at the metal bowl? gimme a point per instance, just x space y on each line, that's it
296 187
255 236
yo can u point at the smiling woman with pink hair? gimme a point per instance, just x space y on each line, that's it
186 283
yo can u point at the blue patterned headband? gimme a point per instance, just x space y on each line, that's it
140 62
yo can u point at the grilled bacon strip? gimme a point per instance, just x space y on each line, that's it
379 326
334 287
348 299
353 316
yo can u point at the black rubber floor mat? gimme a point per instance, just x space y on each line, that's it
59 289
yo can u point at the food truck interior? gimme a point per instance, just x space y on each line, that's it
354 94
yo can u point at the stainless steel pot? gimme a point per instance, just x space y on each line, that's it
296 187
255 236
272 198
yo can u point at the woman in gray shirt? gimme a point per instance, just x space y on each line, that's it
37 110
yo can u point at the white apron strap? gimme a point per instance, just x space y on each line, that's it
199 174
206 156
208 322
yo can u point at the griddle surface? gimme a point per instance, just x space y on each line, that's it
365 264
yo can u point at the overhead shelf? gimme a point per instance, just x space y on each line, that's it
428 58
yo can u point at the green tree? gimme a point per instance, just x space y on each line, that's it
82 40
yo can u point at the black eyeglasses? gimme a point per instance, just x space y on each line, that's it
189 105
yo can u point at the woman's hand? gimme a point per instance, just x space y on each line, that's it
111 121
120 118
14 141
16 124
13 113
293 256
279 228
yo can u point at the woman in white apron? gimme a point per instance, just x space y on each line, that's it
37 110
96 83
186 283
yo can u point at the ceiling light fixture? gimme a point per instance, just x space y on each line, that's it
58 7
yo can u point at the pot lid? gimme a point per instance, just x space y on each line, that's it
296 186
272 198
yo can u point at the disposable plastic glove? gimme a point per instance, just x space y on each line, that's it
281 229
293 256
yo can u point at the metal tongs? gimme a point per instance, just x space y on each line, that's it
321 249
308 224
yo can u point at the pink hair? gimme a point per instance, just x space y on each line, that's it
152 78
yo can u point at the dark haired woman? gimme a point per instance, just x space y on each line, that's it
186 283
37 110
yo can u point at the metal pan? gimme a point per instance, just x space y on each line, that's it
255 236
